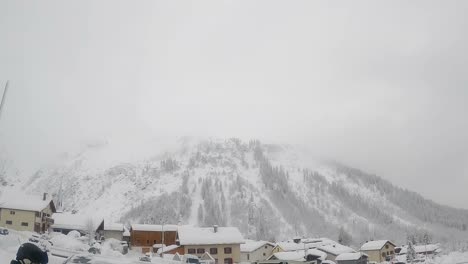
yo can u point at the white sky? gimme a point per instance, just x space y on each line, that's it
379 85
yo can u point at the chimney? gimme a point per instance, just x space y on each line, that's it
215 228
44 197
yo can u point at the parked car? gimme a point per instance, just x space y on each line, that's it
145 259
4 231
191 259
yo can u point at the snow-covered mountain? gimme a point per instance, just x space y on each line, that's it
268 191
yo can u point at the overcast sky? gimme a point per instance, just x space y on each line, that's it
379 85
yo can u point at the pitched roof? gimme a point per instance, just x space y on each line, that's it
290 246
189 235
298 255
375 245
350 256
252 245
166 248
113 227
336 249
421 248
75 221
153 228
292 256
26 202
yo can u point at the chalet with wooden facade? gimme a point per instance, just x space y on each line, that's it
26 212
152 237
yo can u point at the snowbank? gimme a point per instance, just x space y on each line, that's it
68 242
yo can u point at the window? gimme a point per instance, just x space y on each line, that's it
154 242
213 251
264 254
391 252
24 224
228 261
383 254
200 250
191 251
8 222
147 242
386 246
38 214
266 247
12 212
248 256
227 250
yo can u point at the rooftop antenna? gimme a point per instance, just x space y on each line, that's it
2 103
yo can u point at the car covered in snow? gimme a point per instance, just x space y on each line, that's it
4 231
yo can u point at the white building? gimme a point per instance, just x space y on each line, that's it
252 251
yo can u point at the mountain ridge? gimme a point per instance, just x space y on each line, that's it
269 191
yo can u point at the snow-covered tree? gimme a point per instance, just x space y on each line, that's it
411 253
344 237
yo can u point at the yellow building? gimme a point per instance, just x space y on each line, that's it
26 212
379 250
222 243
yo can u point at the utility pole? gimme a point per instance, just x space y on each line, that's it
2 103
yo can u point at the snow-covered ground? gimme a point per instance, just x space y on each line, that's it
70 246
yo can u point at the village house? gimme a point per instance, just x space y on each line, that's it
26 212
152 237
333 250
379 250
222 243
252 251
66 222
113 230
352 258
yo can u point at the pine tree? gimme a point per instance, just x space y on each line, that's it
411 253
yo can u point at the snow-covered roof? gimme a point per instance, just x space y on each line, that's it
75 221
26 202
291 256
336 249
114 227
305 244
290 246
154 228
298 255
189 235
422 248
375 245
317 252
252 245
350 256
167 249
207 256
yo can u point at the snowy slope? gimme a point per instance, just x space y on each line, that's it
270 192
